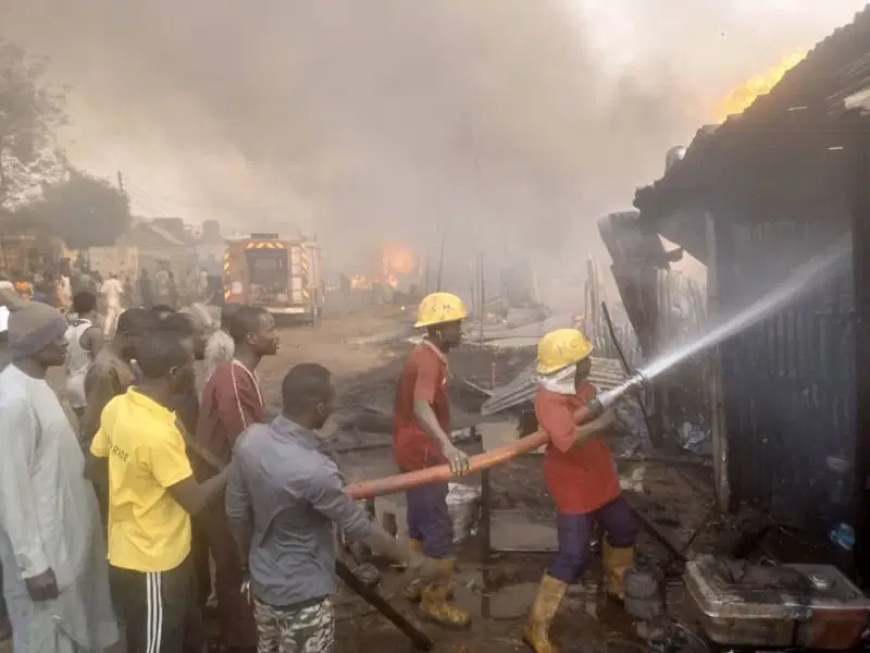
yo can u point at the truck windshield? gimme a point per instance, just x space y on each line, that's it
268 267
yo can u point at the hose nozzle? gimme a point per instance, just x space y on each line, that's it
635 382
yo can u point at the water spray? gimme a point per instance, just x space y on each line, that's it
803 279
608 398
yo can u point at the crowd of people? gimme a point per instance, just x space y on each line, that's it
174 487
56 285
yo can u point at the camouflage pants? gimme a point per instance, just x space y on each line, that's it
308 630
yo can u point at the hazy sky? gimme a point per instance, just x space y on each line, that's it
514 122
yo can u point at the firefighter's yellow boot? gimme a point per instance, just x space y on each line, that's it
414 590
550 594
616 561
435 606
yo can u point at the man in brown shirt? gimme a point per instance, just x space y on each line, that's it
232 402
112 371
109 376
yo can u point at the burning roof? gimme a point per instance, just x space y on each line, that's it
779 126
742 97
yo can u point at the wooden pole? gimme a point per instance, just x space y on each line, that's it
419 639
473 284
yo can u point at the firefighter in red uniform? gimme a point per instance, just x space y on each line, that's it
421 424
581 478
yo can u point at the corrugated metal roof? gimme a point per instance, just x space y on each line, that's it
606 374
628 243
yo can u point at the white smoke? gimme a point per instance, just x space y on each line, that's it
513 123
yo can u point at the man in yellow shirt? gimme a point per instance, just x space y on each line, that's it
152 494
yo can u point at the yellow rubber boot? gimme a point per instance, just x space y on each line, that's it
414 590
616 562
550 594
435 606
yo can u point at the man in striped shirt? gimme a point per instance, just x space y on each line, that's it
231 402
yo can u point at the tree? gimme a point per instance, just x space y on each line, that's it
83 210
30 111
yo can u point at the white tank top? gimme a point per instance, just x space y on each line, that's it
78 363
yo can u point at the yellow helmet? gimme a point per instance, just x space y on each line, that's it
439 308
561 348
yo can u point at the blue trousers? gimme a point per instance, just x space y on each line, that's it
429 521
575 534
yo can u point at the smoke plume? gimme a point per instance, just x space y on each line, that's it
511 124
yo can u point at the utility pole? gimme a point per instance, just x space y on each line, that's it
482 265
441 256
121 182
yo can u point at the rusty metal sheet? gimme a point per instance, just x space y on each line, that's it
606 374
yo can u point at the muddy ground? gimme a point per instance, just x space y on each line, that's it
497 588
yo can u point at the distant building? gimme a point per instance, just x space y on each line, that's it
210 246
161 244
26 247
177 227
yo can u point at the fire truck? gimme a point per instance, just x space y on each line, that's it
281 275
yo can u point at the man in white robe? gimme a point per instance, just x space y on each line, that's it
220 346
112 290
55 574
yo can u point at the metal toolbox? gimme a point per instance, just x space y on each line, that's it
808 606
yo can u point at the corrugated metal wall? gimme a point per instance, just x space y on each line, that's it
789 382
678 397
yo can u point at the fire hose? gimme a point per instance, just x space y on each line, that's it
441 474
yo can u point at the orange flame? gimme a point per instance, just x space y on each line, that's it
359 282
742 97
397 259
